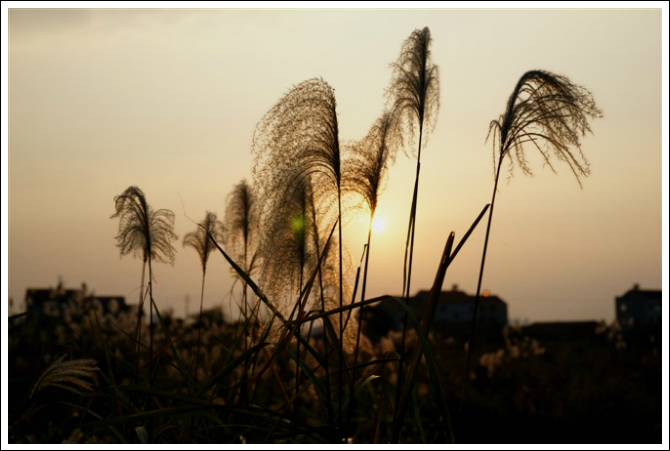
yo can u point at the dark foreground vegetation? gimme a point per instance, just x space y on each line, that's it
601 387
296 367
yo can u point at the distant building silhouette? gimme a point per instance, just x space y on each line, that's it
54 301
210 316
453 314
457 306
638 307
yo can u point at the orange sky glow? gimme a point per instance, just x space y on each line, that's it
168 100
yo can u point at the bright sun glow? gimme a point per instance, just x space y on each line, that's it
378 224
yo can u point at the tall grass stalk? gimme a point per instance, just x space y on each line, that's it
241 224
415 97
550 113
147 234
366 171
299 138
317 247
198 240
429 310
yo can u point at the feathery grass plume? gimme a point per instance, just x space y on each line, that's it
199 240
285 249
415 88
319 223
70 375
299 137
147 234
370 157
550 113
144 232
366 169
415 99
241 223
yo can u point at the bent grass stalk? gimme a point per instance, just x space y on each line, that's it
429 313
550 113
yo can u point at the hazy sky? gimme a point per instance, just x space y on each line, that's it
168 100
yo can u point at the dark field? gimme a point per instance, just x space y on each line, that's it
530 385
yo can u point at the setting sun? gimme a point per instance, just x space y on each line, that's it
378 224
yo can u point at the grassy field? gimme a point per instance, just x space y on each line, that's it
296 368
520 390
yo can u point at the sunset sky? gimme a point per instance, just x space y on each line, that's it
168 100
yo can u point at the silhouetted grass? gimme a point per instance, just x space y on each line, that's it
279 384
365 171
147 234
298 139
199 241
414 94
550 113
241 224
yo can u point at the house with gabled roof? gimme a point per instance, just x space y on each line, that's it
453 315
456 306
639 307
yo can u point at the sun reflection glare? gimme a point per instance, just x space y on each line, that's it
378 224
